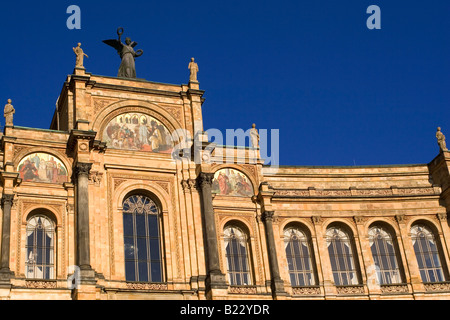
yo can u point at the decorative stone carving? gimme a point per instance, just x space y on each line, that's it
317 219
95 178
8 199
400 218
350 290
205 179
267 216
83 169
242 290
442 216
41 284
439 286
147 286
396 288
306 291
359 219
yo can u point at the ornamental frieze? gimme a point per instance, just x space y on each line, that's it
306 291
348 193
147 286
242 290
350 290
397 288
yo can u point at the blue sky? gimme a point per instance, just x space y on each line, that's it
339 93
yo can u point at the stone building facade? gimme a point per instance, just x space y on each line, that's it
97 207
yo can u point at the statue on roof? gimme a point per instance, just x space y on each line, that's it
80 56
254 136
127 54
441 140
9 113
193 66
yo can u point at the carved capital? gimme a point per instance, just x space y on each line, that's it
7 199
400 218
359 220
83 169
268 216
442 216
317 219
205 179
185 185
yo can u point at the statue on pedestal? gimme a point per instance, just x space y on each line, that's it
9 113
127 54
441 140
80 56
254 136
193 66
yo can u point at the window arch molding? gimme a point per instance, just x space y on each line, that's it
350 272
391 273
41 245
162 199
143 238
305 273
351 227
441 252
42 210
248 271
306 225
153 191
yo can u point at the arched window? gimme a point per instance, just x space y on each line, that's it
236 252
340 249
384 252
142 240
299 259
40 248
426 248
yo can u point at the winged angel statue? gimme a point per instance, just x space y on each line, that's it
127 54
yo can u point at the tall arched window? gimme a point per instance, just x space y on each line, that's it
426 248
40 248
299 259
142 240
340 249
384 252
237 257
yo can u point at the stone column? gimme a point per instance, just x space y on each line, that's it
7 202
276 282
82 175
215 278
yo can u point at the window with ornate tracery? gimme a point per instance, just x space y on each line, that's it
340 249
142 240
40 248
426 248
236 252
384 253
299 259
